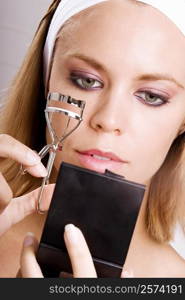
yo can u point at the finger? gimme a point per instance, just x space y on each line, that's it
11 148
127 274
65 275
37 170
81 260
5 193
19 274
29 265
20 207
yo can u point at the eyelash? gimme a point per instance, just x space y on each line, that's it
74 78
164 100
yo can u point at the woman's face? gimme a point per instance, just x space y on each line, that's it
127 62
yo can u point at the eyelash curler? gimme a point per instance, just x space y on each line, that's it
56 103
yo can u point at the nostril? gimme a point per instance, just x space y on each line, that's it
98 126
117 131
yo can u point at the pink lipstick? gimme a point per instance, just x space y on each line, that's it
99 161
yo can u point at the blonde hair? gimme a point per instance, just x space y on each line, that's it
23 118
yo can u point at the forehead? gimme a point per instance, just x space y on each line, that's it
126 29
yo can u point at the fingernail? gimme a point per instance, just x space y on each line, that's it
65 274
41 170
127 274
33 157
71 233
28 241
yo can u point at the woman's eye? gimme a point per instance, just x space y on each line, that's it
85 82
151 98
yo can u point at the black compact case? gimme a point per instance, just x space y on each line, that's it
104 206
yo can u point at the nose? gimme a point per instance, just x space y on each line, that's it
109 115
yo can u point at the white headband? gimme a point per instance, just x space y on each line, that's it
173 9
65 10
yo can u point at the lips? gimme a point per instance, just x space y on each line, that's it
101 155
99 161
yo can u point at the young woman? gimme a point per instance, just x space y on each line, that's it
124 58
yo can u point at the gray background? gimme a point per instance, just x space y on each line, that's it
18 21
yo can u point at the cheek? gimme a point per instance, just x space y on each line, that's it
149 140
62 124
152 149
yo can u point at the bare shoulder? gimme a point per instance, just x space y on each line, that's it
154 260
169 263
176 262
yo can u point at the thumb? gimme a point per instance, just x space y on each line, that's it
29 265
127 274
20 207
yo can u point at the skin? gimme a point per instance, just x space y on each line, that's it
118 119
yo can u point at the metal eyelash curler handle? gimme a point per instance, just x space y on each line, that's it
45 180
56 141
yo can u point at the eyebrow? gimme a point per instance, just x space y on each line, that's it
91 61
159 76
147 77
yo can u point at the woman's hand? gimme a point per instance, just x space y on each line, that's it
13 210
81 260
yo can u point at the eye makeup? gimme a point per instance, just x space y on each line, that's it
152 98
85 81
